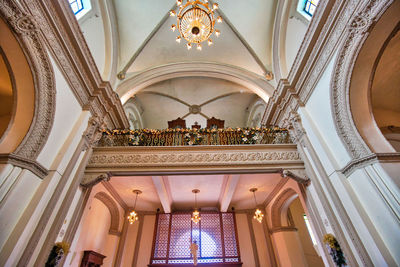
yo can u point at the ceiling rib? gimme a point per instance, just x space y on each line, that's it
122 73
246 44
229 190
162 191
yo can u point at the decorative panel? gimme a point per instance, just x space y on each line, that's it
215 235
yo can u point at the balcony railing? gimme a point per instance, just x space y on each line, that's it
188 137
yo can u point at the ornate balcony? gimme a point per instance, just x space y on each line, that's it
191 137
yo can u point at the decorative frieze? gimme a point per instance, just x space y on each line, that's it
195 158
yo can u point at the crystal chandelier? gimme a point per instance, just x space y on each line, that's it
133 216
196 214
196 22
258 215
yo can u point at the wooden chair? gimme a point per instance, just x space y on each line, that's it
215 123
177 124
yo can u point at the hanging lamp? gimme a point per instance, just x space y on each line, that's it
196 21
133 216
258 215
196 214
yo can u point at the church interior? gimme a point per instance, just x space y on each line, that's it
257 133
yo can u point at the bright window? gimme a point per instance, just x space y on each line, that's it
310 6
309 229
76 6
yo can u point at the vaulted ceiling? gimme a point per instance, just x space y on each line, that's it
141 48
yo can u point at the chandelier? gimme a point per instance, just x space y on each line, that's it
133 216
196 22
196 214
258 215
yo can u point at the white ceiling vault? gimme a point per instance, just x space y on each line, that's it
174 192
132 39
146 42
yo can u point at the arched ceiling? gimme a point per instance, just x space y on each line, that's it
146 41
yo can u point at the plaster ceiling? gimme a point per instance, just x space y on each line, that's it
171 99
178 190
146 41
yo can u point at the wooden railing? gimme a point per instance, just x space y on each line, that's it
187 137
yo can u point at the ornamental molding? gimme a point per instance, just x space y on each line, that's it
113 208
26 32
356 34
368 160
327 29
64 39
216 158
31 165
89 181
283 229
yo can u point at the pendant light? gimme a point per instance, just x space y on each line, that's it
133 216
258 215
196 214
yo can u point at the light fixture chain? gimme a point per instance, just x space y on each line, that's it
134 205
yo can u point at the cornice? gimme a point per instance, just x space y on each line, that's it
66 42
368 160
31 165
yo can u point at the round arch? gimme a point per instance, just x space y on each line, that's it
253 82
350 86
280 208
113 208
34 88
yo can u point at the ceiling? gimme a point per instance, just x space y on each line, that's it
174 192
146 41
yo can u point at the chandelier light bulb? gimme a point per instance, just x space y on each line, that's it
195 21
133 216
178 39
258 215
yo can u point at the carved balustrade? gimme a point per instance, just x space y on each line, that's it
182 137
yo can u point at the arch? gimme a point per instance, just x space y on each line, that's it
280 207
254 82
351 108
23 151
113 208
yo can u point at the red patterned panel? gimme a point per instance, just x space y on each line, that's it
211 243
229 235
180 236
161 243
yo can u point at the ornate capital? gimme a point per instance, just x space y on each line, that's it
92 180
299 175
93 131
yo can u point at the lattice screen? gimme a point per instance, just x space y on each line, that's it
215 235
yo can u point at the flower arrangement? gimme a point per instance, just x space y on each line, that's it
249 136
57 253
193 138
334 250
